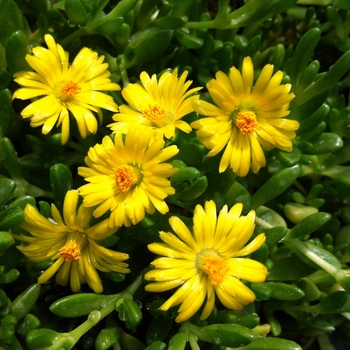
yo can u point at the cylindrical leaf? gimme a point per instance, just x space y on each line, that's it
268 343
335 72
184 174
106 338
80 304
178 341
302 54
10 218
61 182
9 159
40 338
6 240
332 303
231 335
282 271
16 50
29 323
147 45
296 212
25 301
284 291
7 187
310 224
325 143
158 329
157 345
132 314
274 186
6 111
76 12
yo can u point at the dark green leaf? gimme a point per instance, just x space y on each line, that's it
274 186
80 304
308 225
10 20
282 271
303 53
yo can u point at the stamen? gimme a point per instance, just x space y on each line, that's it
213 265
70 88
126 177
246 121
157 116
71 251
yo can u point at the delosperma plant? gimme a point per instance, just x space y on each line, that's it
174 174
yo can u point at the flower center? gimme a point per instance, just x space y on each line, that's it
74 244
213 265
246 122
127 176
70 252
70 88
157 116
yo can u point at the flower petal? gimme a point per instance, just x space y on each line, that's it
247 269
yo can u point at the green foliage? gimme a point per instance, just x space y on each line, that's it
301 198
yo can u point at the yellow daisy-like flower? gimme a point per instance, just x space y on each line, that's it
71 243
246 118
207 262
65 88
128 176
159 105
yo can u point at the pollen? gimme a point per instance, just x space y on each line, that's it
214 266
126 177
246 122
157 115
71 251
70 88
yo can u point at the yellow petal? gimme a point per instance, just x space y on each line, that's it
209 305
254 245
162 286
247 269
44 277
182 231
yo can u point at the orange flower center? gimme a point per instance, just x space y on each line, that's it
126 177
71 251
246 122
70 88
157 116
213 265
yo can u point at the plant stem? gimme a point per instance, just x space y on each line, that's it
122 69
24 187
192 339
70 339
66 340
263 223
135 285
341 276
75 35
116 346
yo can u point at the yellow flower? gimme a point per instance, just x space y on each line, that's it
246 118
128 177
159 105
71 243
65 88
207 262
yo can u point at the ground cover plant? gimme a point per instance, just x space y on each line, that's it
174 174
